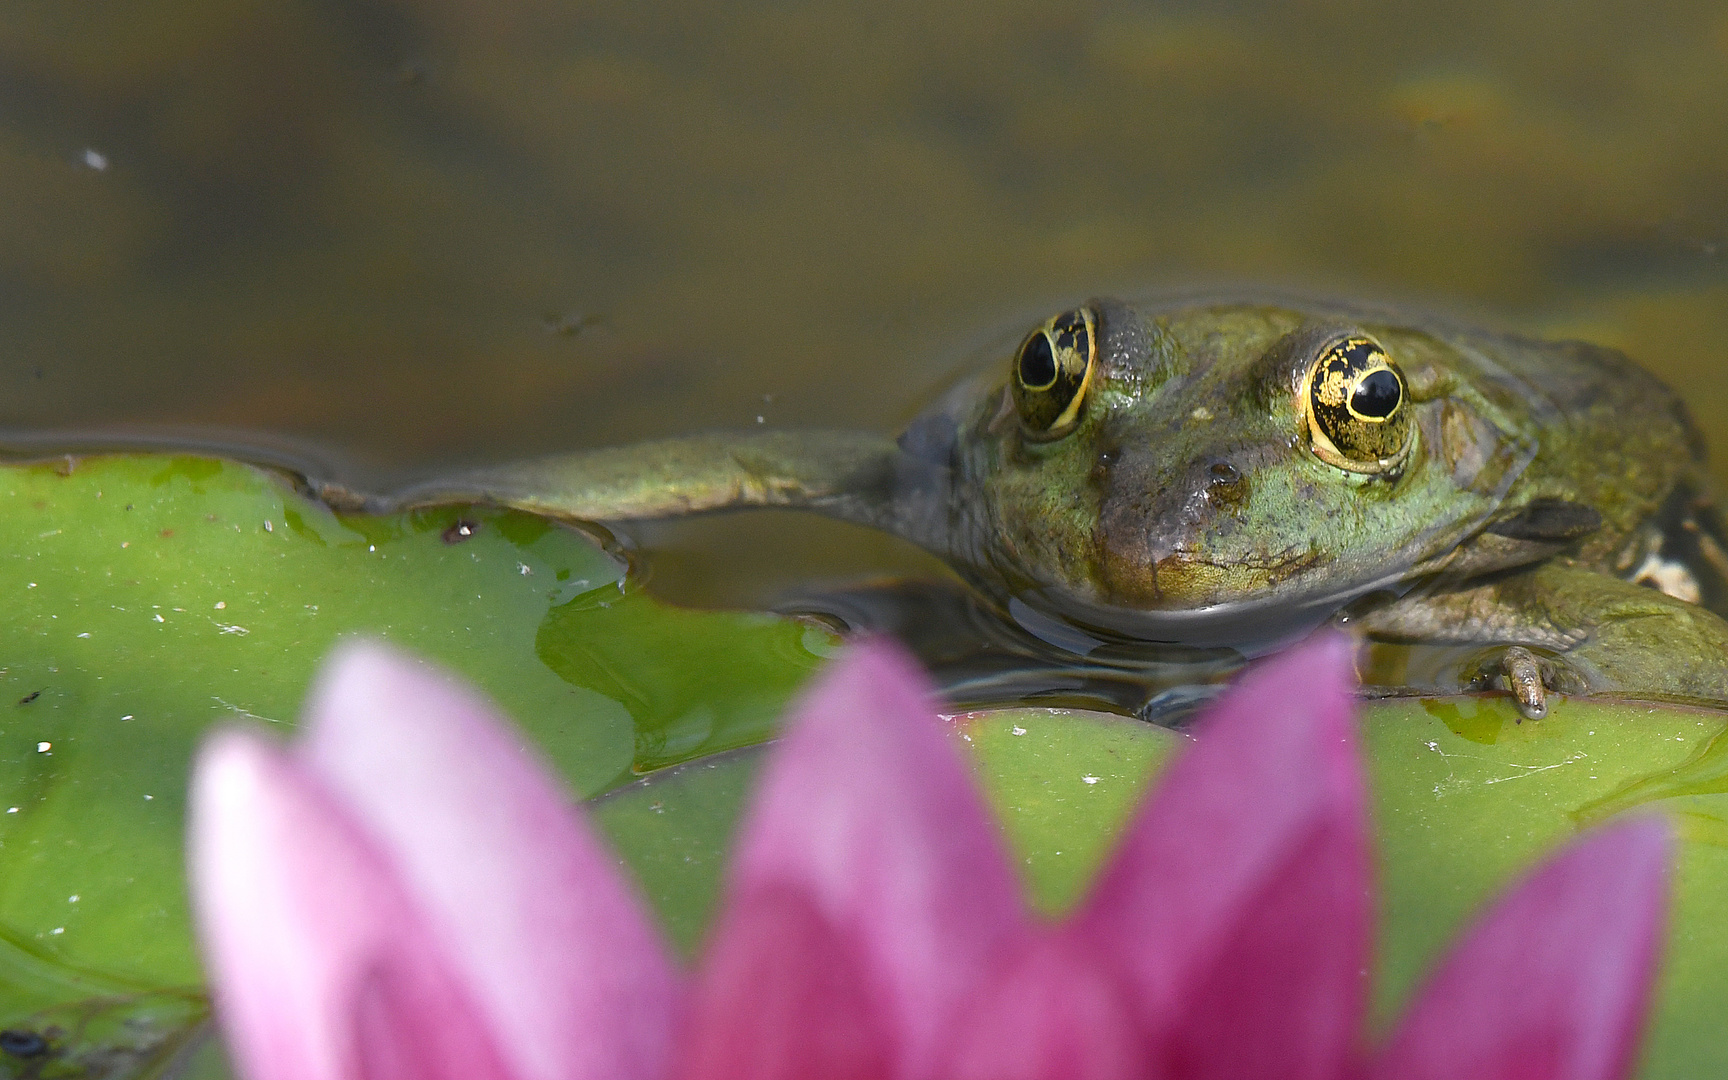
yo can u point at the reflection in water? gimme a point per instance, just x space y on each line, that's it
420 231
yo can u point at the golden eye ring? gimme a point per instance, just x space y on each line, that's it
1353 402
1052 373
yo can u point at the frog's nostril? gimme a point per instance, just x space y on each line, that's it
1222 472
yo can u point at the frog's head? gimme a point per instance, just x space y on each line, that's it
1162 469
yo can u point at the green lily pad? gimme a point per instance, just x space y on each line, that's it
150 597
1466 796
674 830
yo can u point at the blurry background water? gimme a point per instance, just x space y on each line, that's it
421 232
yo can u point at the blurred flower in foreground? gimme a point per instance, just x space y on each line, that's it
406 894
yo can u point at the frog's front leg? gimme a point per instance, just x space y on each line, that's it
1556 627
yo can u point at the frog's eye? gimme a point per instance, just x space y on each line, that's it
1052 371
1353 398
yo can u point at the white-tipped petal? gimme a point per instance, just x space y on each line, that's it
553 944
321 969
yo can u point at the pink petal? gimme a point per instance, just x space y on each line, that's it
785 999
320 968
1555 981
868 834
1237 907
1053 1013
555 947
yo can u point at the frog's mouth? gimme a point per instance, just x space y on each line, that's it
1174 565
1181 581
1251 626
1163 592
1175 597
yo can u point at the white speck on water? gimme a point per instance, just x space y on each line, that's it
147 798
58 930
524 569
44 747
968 738
1016 730
761 420
158 617
11 809
73 899
1090 779
125 543
235 629
269 526
220 604
50 532
128 716
31 585
85 634
95 159
371 547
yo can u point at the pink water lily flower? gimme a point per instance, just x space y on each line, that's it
407 893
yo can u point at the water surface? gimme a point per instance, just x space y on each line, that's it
430 231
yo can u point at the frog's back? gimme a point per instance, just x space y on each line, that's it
1612 437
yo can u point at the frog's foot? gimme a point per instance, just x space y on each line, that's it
1521 673
1530 677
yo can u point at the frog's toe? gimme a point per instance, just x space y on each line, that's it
1531 677
1522 673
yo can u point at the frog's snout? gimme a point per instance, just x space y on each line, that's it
1151 526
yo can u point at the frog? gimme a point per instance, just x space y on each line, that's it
1215 475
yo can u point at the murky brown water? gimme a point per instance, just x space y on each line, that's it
424 232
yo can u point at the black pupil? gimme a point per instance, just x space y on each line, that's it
1377 394
1037 364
